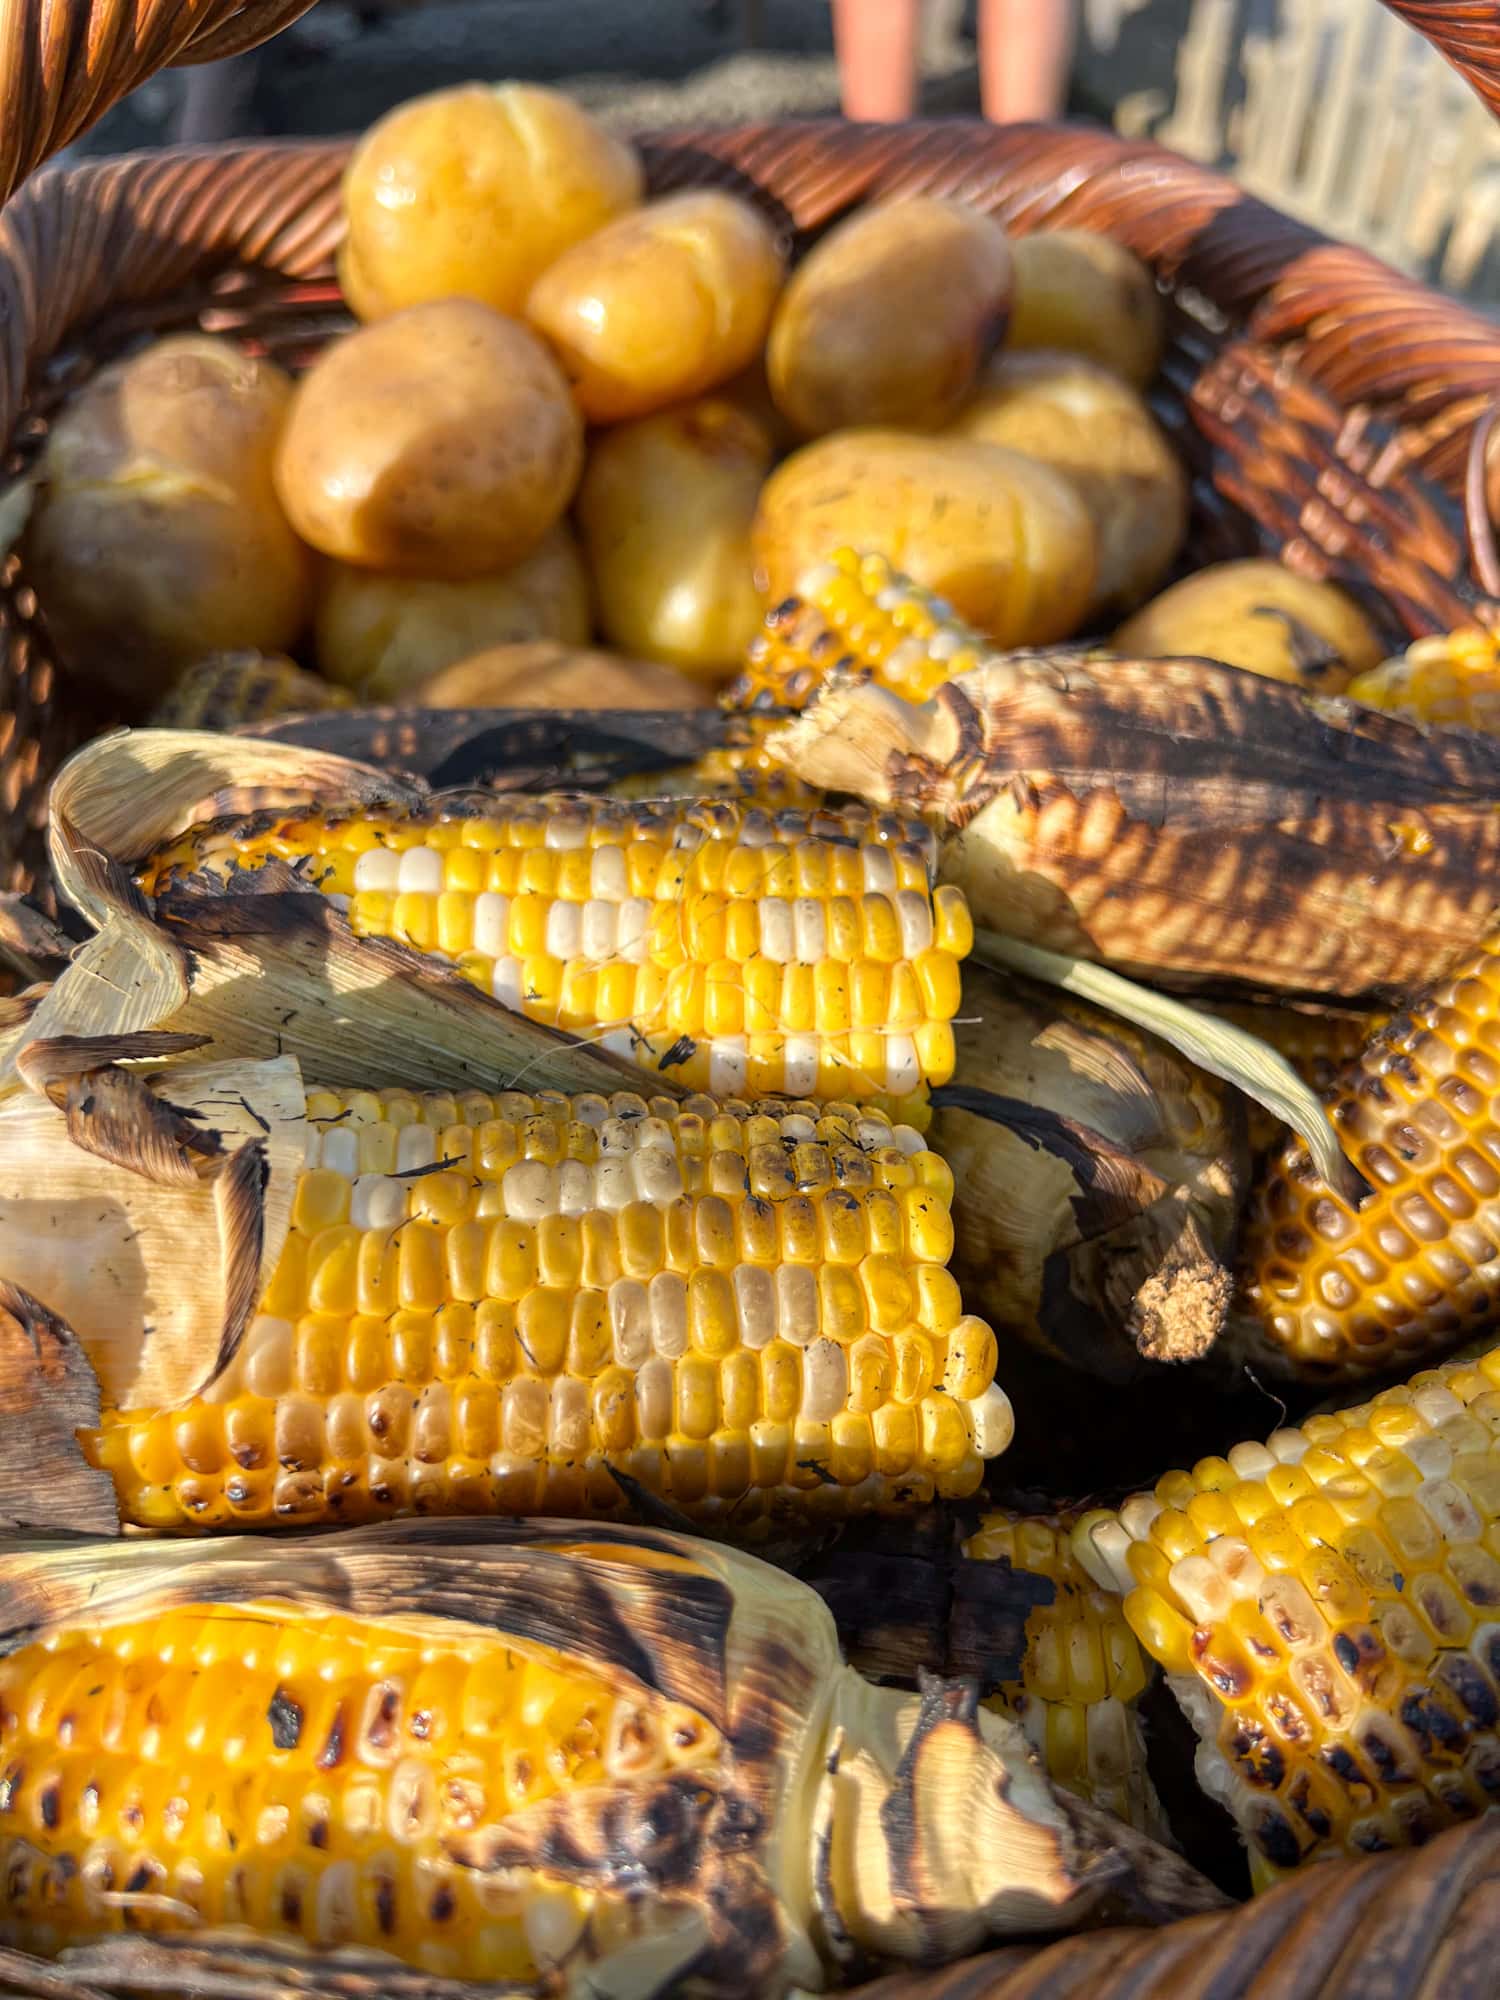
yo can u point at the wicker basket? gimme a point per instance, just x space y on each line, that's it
1325 403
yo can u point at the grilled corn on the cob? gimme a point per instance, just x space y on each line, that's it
1451 679
855 614
581 1763
486 1303
1334 1291
1081 1675
1325 1607
743 951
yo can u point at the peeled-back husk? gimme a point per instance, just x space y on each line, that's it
1181 820
1097 1180
274 973
841 1826
1415 1926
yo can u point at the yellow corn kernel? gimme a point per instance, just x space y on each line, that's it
530 1290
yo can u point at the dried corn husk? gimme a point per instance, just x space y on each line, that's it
834 1827
1182 820
275 973
1098 1178
1417 1926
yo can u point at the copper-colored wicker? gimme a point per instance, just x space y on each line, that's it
1417 1926
1325 402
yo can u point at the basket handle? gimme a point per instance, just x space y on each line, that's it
63 63
1467 32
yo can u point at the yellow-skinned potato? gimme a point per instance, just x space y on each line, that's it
1088 295
1095 429
384 635
540 673
888 319
662 304
665 512
1004 539
1257 615
157 536
439 442
471 193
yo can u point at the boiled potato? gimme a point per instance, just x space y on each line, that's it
887 320
539 673
440 442
1259 616
471 193
662 304
1005 539
664 511
385 634
1094 429
1088 295
156 536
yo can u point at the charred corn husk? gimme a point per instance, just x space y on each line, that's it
1451 680
741 950
229 690
1098 1178
1318 1042
486 1303
1336 1291
581 1764
1404 1926
1077 797
1082 1672
1325 1608
856 615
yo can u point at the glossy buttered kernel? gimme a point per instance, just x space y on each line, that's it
748 950
486 1303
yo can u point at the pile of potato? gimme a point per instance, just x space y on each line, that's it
571 415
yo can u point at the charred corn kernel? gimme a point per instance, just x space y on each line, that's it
1318 1042
714 935
1451 679
855 615
308 1775
1333 1291
1082 1671
587 1277
228 690
1341 1658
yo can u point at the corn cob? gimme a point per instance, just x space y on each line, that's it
745 952
1324 1606
1318 1042
577 1764
856 615
484 1304
1075 794
1334 1292
1082 1673
1098 1180
228 690
1451 680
